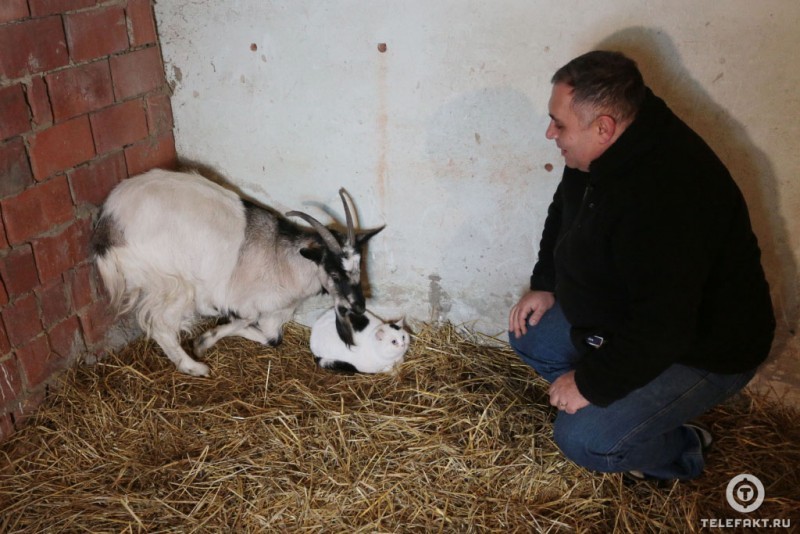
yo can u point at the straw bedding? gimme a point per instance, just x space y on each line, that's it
459 439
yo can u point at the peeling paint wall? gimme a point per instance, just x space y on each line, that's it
432 114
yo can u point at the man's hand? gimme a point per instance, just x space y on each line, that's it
564 394
529 310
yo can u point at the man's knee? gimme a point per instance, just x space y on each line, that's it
518 343
580 445
570 441
547 359
526 348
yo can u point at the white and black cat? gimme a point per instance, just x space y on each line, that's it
377 346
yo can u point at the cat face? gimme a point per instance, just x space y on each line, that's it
391 341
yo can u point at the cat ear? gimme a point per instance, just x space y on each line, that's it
401 322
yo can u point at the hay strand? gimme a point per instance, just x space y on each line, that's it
458 439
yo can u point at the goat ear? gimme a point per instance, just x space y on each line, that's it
366 235
380 332
345 331
313 253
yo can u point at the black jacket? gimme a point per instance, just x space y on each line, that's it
653 249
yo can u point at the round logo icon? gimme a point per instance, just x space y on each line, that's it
745 493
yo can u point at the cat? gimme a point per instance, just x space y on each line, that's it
377 346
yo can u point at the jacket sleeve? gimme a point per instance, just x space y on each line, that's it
544 275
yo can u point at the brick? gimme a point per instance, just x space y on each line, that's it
137 72
80 90
50 7
10 382
150 154
59 253
95 322
142 22
54 303
13 10
32 46
66 339
22 320
159 114
15 171
3 294
39 101
18 270
92 183
37 209
81 288
119 125
96 33
37 361
61 147
14 116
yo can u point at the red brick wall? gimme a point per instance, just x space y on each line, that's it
83 105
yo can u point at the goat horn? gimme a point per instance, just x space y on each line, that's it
323 232
351 232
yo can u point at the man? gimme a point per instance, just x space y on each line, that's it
648 304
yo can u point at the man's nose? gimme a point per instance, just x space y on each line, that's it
551 131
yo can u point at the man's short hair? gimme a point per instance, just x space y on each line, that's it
604 82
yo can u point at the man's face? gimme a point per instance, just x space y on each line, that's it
579 141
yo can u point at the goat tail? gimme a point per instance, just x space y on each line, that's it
109 267
166 304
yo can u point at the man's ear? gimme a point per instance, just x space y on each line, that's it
606 128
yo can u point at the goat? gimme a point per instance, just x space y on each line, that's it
175 247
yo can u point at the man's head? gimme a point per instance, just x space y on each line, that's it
594 98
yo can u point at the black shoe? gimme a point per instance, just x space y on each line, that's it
704 433
706 440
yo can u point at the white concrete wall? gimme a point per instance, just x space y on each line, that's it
441 137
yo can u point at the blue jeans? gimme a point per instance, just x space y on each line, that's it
643 431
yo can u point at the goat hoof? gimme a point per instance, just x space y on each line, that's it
194 368
201 345
275 342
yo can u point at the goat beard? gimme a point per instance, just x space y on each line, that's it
348 324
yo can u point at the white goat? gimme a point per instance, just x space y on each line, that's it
175 246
